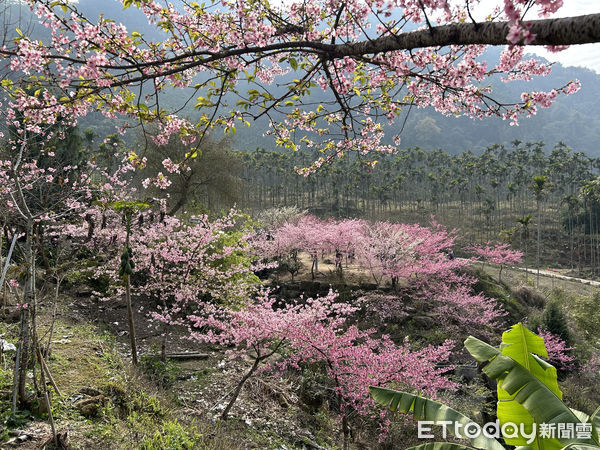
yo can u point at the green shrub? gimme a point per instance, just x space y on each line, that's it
171 436
555 321
147 405
164 373
584 311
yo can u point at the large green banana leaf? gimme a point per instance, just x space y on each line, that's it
524 347
595 420
523 388
426 409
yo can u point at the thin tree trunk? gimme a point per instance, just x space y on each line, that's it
346 431
44 388
163 344
27 304
18 364
134 355
239 387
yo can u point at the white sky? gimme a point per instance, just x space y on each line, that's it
587 55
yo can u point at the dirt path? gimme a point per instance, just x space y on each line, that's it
555 274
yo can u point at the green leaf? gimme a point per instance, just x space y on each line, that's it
522 346
527 395
480 350
426 409
581 447
583 417
120 205
595 420
293 63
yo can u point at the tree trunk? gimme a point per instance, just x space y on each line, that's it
17 373
238 388
28 301
134 356
180 203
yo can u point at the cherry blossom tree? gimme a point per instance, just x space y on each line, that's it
413 257
410 253
177 265
559 353
376 60
33 195
273 218
498 253
319 331
312 235
461 311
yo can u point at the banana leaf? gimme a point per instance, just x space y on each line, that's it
522 387
426 409
581 447
524 347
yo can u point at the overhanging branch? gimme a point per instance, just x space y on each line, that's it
564 31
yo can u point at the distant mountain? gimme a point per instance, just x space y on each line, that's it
573 119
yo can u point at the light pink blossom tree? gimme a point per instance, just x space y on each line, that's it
375 60
33 196
181 264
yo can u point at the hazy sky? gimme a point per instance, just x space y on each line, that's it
587 55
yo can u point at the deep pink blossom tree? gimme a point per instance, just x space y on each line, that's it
559 353
319 331
500 254
413 257
463 312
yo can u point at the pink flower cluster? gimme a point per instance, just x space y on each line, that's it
317 330
559 353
